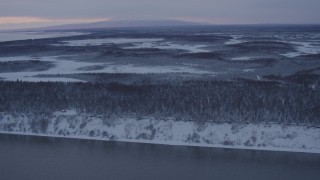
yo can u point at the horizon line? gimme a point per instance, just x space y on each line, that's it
124 27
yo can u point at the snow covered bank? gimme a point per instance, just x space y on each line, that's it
165 131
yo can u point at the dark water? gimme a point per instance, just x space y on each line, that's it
43 158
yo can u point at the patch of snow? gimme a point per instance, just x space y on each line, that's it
61 67
67 112
291 54
308 48
215 33
235 40
303 48
168 131
14 36
258 77
243 58
72 67
17 58
248 70
194 48
98 42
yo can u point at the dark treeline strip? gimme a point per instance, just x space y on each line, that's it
243 101
134 78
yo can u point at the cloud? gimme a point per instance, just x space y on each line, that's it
21 22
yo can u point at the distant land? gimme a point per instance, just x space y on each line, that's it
134 24
117 24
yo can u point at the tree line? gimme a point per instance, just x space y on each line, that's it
221 101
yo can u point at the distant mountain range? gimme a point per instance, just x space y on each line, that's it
122 24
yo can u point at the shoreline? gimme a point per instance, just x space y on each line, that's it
182 144
70 124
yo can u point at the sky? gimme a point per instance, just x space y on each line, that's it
39 13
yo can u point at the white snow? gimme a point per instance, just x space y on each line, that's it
242 58
70 124
248 70
194 48
258 78
73 67
235 40
61 67
303 48
138 43
17 58
214 33
98 42
291 54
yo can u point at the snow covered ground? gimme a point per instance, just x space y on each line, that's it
14 36
236 39
98 42
74 67
304 48
242 58
137 43
169 131
191 48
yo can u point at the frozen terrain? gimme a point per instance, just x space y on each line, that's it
138 43
243 58
98 42
198 48
15 36
169 131
304 48
226 54
73 67
235 39
245 78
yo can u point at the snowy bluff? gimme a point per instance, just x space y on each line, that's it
169 131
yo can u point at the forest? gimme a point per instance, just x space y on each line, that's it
201 100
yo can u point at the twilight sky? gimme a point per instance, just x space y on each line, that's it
36 13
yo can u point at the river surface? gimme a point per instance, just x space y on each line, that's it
30 157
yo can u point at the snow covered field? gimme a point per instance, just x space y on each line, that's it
242 58
73 67
169 131
14 36
304 48
98 42
169 45
236 39
137 43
